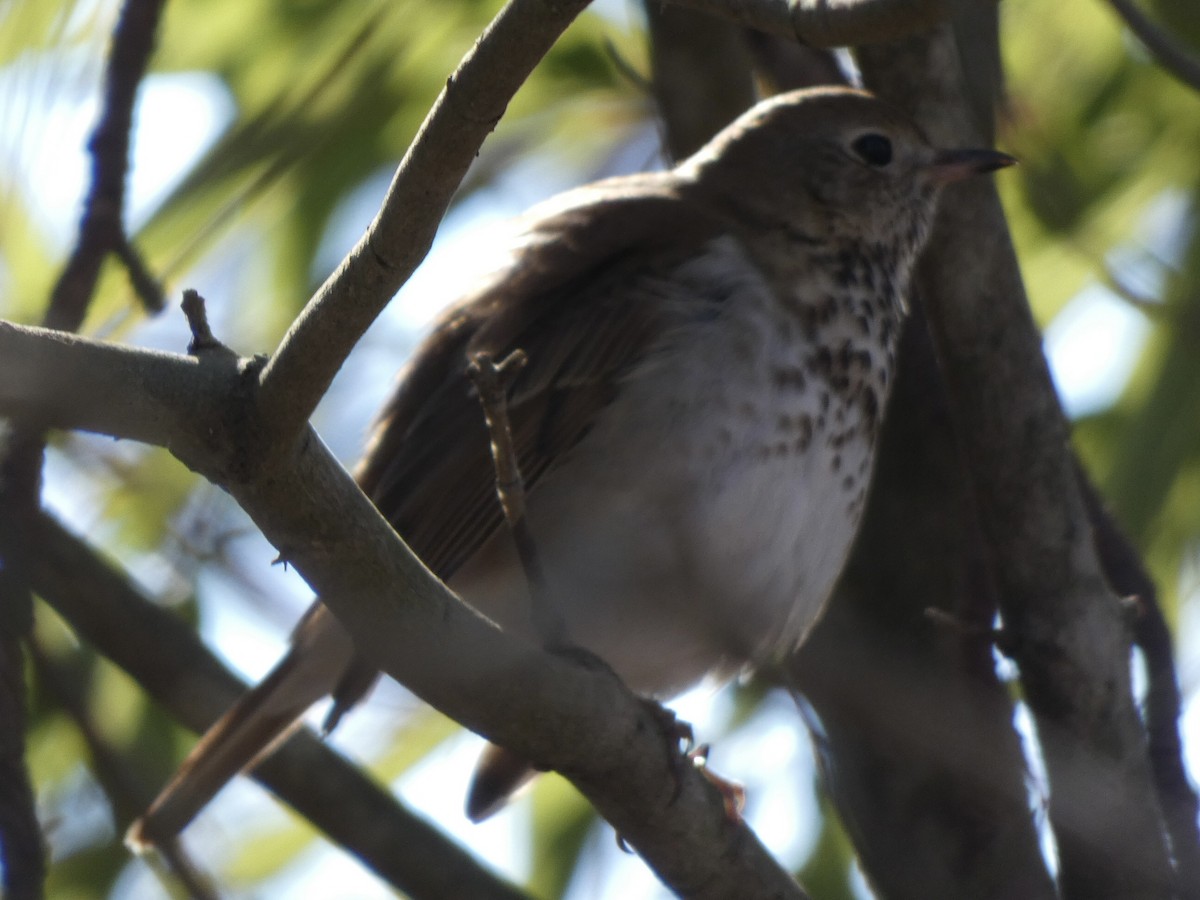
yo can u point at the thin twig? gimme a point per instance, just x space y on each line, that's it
492 381
100 231
22 852
127 793
467 110
1172 55
101 228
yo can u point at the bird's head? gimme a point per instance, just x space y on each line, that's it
832 163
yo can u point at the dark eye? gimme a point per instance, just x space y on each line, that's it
873 149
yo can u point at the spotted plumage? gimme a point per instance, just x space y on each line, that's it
710 351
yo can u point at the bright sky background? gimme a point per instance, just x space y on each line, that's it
1092 346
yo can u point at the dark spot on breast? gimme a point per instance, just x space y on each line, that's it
804 426
788 378
836 463
844 271
821 362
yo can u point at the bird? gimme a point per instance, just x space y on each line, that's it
709 352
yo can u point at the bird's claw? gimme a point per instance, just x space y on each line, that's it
733 795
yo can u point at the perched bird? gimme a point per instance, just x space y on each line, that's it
710 351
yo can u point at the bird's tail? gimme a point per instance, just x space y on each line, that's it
499 774
266 715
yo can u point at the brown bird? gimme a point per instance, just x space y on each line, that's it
710 351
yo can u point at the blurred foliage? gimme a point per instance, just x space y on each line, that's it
325 96
1105 137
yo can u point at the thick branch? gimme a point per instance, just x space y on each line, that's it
836 23
578 721
164 656
58 380
1071 639
465 113
1128 576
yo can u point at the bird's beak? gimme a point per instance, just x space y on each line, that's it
955 165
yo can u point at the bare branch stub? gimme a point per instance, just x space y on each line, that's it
197 317
492 382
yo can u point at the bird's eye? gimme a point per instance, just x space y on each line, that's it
873 149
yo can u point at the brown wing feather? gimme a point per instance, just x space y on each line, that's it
571 302
568 302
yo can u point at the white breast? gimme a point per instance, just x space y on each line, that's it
703 520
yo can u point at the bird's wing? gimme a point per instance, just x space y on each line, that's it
577 299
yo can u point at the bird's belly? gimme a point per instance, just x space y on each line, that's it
677 542
702 522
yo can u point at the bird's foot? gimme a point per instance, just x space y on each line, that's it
733 795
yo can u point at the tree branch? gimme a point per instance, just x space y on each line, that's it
22 854
1169 52
101 231
924 764
1129 578
1071 640
578 721
836 23
467 110
102 227
166 658
57 380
